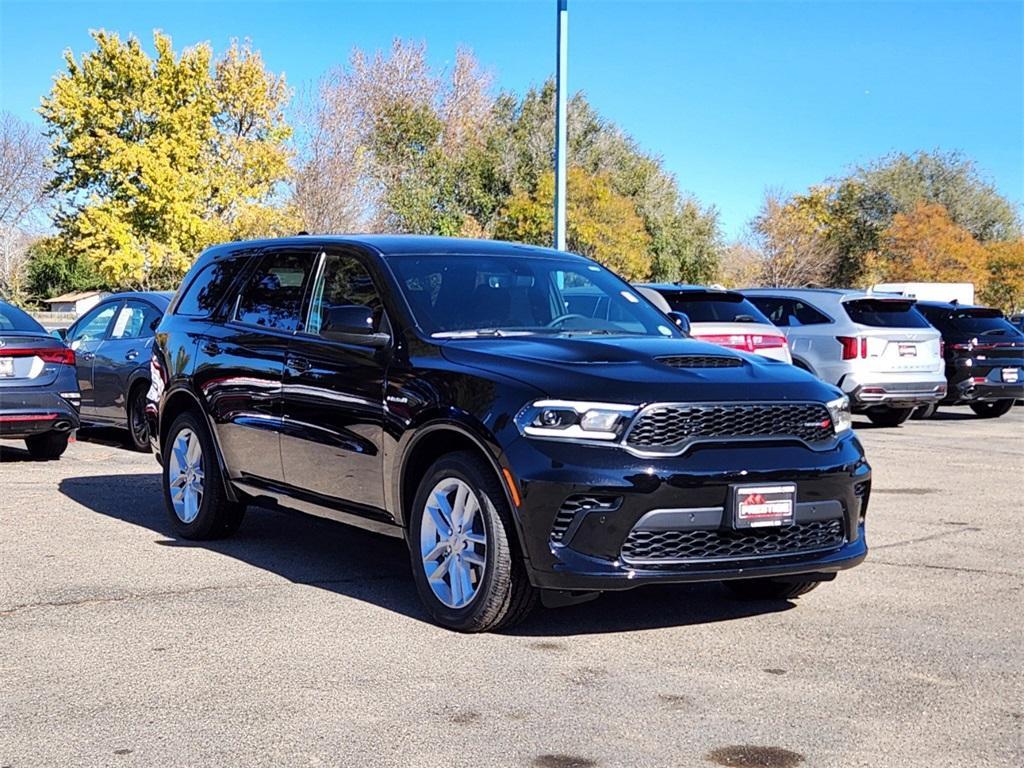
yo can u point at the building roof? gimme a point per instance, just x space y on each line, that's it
74 296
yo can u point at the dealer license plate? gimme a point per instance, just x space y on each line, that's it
908 350
6 367
1011 375
764 506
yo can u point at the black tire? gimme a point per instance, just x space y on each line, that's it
218 516
884 416
138 424
925 412
504 594
992 410
47 446
769 589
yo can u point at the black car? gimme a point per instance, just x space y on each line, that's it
984 356
441 391
113 343
38 389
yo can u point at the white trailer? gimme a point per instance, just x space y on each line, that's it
959 292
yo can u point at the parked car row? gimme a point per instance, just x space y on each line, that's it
536 429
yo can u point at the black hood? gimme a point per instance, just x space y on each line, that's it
628 370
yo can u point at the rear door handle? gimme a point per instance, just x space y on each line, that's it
298 364
87 356
131 354
211 348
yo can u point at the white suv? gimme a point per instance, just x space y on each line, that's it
877 348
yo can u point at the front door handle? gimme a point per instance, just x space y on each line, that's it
131 354
211 348
298 364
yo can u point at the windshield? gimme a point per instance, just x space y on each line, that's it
715 307
460 295
13 319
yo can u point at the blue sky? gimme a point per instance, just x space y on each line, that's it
735 96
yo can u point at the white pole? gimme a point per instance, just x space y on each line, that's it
561 122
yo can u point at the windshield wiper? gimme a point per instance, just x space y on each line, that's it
478 332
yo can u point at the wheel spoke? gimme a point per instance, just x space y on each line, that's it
436 552
445 510
475 538
458 595
443 525
469 514
465 581
459 508
473 558
194 450
438 573
178 481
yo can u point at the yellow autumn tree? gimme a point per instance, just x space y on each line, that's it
157 157
926 245
601 224
1005 287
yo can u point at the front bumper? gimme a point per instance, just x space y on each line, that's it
585 550
26 412
903 391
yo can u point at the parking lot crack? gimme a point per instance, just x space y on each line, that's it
955 568
323 583
929 537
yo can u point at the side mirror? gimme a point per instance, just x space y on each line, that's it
682 321
352 323
60 333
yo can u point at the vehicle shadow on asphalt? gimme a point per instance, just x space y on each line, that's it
375 569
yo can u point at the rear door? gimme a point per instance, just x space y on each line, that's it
85 338
240 362
898 338
119 356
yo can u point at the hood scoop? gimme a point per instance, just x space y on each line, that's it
700 361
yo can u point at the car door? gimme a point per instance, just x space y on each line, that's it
334 390
125 348
240 362
85 338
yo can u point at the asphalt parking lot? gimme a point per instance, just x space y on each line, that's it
301 642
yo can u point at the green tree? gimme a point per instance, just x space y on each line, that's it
601 223
156 158
51 271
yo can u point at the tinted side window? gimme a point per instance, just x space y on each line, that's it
272 296
207 289
805 314
774 308
94 324
134 321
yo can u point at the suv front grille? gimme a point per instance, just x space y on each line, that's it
652 546
672 427
700 361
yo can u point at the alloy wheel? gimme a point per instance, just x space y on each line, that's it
185 475
453 542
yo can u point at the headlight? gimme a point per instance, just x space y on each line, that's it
839 411
571 420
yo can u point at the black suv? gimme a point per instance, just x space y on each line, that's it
440 391
984 356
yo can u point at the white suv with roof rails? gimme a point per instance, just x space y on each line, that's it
878 348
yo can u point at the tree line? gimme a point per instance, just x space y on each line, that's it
147 159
